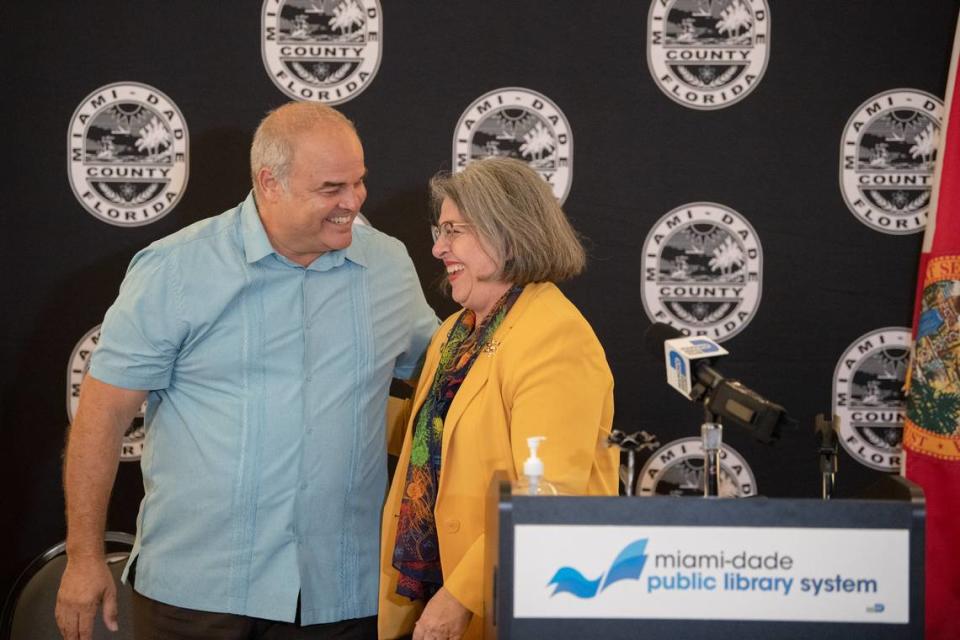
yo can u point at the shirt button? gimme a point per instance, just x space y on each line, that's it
453 525
308 378
303 485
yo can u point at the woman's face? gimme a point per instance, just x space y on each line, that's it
471 264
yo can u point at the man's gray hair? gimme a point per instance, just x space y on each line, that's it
514 210
274 140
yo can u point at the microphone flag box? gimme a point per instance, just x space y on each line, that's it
681 357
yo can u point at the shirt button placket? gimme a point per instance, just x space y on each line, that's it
305 323
304 485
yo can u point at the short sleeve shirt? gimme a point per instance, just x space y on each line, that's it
264 456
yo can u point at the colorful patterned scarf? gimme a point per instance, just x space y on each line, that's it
416 554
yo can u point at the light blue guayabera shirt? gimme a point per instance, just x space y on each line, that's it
264 463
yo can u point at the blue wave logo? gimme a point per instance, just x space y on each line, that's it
628 565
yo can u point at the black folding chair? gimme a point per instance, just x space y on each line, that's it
28 610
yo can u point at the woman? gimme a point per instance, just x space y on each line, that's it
518 361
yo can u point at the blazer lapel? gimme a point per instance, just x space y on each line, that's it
475 381
480 371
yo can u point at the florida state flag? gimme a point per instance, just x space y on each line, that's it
931 434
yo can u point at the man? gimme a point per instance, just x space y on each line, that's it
266 338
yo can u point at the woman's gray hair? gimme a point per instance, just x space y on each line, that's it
514 210
274 140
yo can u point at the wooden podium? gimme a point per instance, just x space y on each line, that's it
680 567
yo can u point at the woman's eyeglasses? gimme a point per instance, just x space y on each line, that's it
447 230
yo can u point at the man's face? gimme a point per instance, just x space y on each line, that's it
324 193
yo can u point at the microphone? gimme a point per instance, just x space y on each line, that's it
692 358
688 359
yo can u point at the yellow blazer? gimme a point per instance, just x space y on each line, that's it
544 373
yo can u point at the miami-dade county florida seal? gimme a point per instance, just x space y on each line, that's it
702 266
708 54
127 154
322 50
676 469
132 445
887 156
868 396
522 124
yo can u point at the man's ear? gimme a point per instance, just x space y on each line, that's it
268 185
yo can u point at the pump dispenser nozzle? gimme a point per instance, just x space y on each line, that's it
533 466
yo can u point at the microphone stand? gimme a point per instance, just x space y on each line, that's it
711 432
632 443
826 429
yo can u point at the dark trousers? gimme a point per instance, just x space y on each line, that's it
154 620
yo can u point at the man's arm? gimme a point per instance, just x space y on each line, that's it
89 470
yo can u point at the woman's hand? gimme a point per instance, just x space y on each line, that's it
444 618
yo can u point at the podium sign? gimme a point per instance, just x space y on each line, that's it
617 567
711 573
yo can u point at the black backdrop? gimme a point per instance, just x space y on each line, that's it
773 157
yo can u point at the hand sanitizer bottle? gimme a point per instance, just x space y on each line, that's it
532 482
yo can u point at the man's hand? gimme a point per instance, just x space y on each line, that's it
86 584
444 618
90 465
